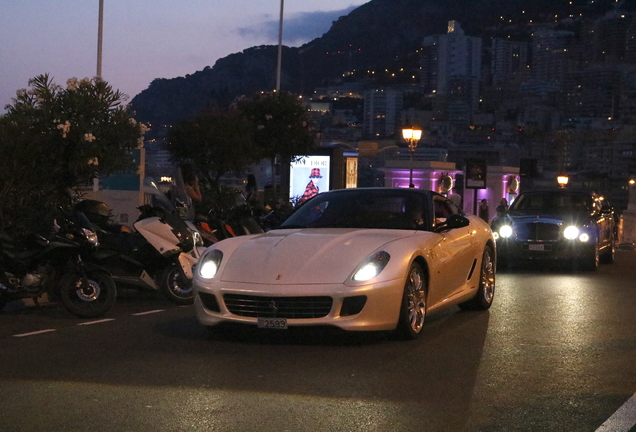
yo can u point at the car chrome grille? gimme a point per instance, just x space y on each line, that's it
278 307
538 232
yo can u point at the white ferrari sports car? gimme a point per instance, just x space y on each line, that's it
358 259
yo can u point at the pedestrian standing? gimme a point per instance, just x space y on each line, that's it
484 212
502 208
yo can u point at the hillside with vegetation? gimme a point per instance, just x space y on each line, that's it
376 44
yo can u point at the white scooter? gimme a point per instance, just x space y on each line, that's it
160 252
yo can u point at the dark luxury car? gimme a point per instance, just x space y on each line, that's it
558 225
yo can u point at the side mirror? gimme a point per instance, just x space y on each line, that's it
453 222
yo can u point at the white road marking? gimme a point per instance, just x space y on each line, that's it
149 312
96 322
86 323
623 419
34 333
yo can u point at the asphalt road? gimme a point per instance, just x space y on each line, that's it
556 352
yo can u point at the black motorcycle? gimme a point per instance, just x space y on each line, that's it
234 221
35 265
158 254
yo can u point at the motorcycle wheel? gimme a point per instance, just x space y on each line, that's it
176 286
88 298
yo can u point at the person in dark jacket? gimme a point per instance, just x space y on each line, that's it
484 212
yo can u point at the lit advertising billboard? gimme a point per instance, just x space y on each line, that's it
309 176
476 173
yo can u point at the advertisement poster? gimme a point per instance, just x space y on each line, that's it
476 173
308 177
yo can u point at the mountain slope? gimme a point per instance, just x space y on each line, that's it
379 35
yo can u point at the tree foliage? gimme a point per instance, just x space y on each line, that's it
262 127
281 125
53 139
214 143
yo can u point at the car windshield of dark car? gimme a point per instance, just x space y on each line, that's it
361 209
551 202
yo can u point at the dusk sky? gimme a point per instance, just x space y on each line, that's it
145 39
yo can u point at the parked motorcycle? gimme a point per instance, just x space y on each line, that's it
271 218
54 265
235 221
158 254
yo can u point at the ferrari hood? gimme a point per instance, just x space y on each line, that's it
306 256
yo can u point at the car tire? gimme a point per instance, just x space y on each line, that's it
502 263
413 306
486 291
609 254
591 261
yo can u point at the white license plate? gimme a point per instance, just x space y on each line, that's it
535 247
272 323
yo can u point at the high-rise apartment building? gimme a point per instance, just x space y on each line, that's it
593 93
551 56
610 38
507 59
630 42
450 59
381 112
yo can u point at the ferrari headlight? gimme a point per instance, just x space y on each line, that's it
372 266
505 231
571 232
209 264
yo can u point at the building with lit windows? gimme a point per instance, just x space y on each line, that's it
551 54
382 110
508 58
451 67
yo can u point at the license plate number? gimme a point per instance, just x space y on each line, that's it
272 323
535 247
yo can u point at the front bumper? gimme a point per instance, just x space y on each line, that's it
515 250
380 310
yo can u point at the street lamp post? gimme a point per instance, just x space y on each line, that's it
412 136
100 31
280 47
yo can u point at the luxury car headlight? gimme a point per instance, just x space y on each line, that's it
571 232
209 264
505 231
372 266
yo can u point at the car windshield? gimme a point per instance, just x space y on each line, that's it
552 202
382 209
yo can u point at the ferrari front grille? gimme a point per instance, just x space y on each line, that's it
278 307
209 301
